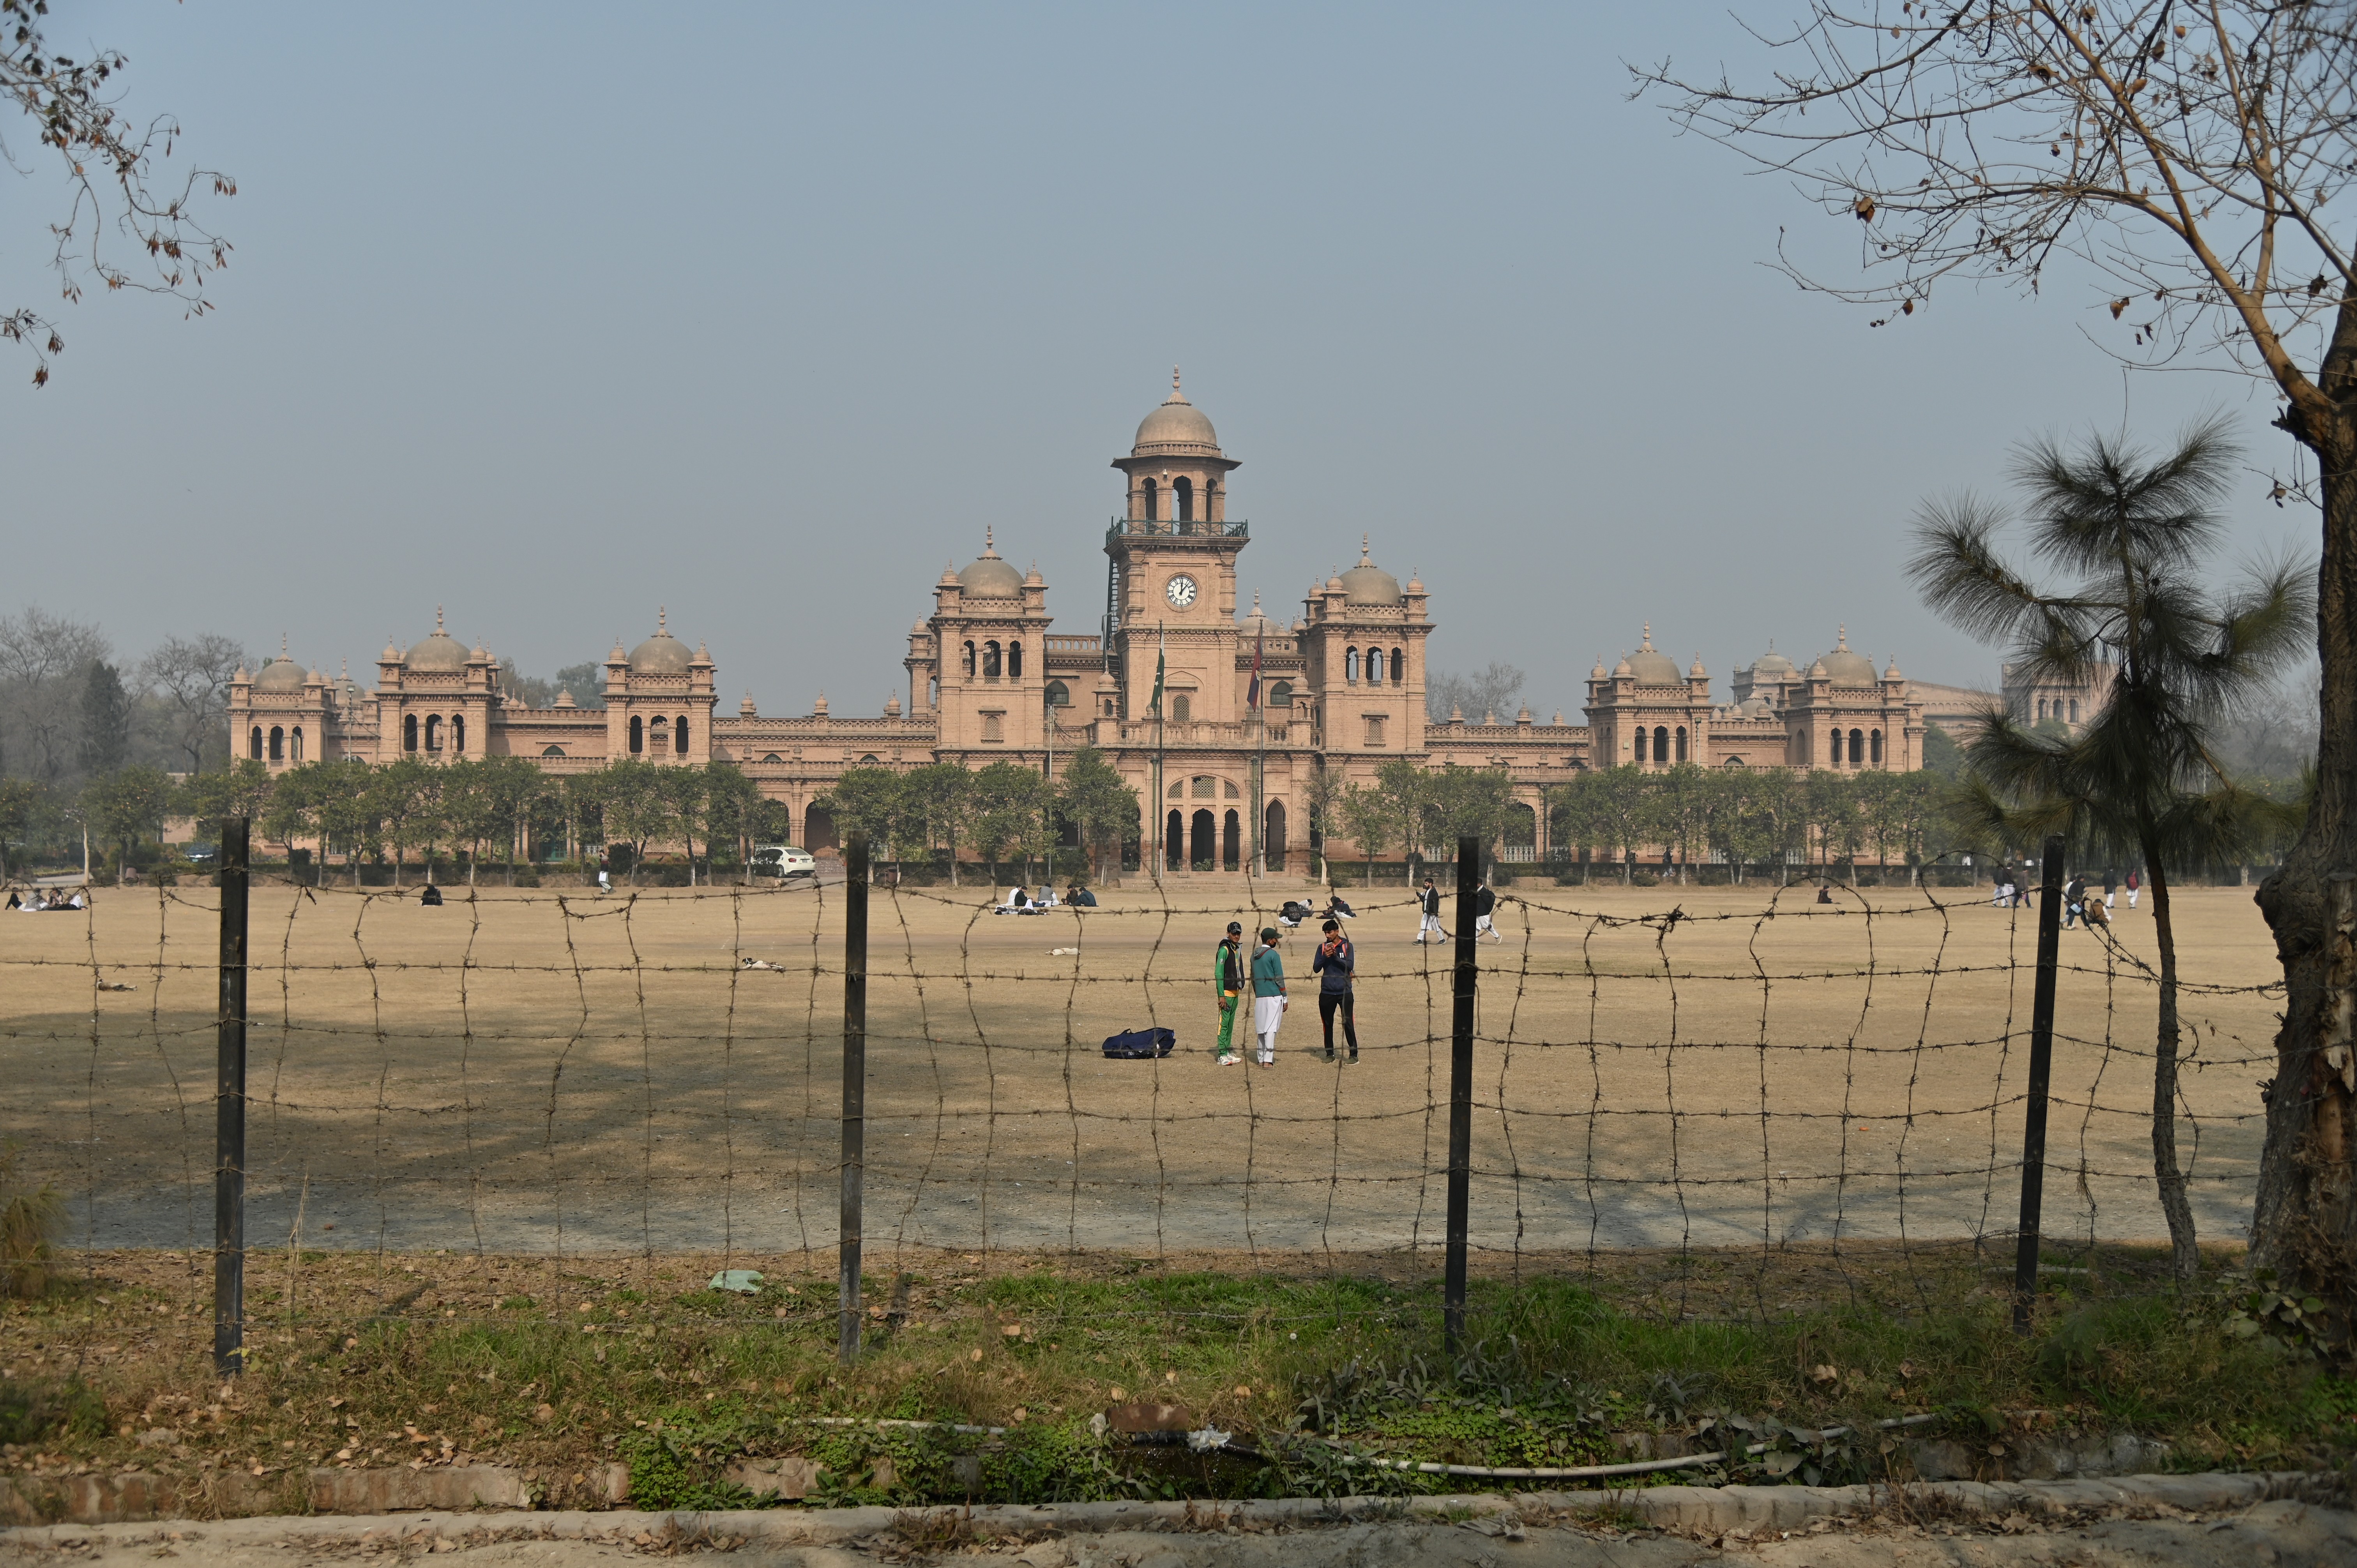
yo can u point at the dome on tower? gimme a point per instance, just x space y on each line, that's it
1177 429
990 577
438 653
1258 624
1772 666
1650 666
1368 584
1845 667
662 654
281 674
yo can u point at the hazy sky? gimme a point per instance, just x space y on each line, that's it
550 318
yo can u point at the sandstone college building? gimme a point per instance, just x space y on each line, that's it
1225 779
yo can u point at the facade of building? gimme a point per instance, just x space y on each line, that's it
1226 781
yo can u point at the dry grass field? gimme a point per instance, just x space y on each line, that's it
548 1071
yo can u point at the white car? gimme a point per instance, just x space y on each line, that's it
783 860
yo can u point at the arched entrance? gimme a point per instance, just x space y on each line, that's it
818 830
1272 836
1174 840
1203 843
1230 841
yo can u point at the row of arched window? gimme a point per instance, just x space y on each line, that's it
280 745
1182 501
432 733
1662 743
1864 748
662 735
1372 665
990 662
2052 709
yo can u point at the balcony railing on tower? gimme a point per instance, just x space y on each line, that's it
1166 528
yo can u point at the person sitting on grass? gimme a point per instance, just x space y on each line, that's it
431 898
1017 902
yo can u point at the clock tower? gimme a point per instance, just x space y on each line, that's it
1170 587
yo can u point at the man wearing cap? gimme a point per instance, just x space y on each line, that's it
1268 994
1228 980
1429 901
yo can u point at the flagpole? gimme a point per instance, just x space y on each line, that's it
1260 760
1161 817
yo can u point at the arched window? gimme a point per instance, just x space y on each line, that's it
1153 500
969 660
254 745
1399 665
990 660
434 732
1108 706
278 743
1351 665
1857 748
637 734
679 735
1280 695
1375 666
1735 762
868 760
932 693
769 756
2074 710
1640 743
295 742
459 733
1874 744
992 728
1231 835
1174 840
2041 710
408 734
1661 742
551 751
1272 836
1180 709
1682 742
1015 661
1059 695
1182 499
659 736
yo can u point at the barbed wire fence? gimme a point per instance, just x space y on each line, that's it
1746 1111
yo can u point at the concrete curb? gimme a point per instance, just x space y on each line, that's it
1689 1510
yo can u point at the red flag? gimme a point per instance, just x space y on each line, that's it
1252 692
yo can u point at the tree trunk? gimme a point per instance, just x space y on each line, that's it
2304 1225
2168 1176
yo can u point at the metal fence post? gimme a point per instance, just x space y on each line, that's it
229 1110
855 1087
1460 1095
2041 1066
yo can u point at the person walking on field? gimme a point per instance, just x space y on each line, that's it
1335 965
1485 903
1430 903
1228 983
2074 898
1268 994
2135 886
2110 884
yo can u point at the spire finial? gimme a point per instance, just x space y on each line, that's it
989 540
1365 557
282 645
1174 381
437 621
1841 638
1647 646
662 620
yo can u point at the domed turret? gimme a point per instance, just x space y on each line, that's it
1650 666
281 674
1368 584
1257 624
1845 667
1772 666
440 653
990 577
662 654
1175 429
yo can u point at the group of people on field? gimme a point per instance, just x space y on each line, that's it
2078 905
1261 973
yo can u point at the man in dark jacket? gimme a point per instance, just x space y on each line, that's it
1335 963
1430 921
1485 903
1228 982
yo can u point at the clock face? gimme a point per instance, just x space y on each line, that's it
1180 591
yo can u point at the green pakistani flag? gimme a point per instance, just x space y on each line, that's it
1160 657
